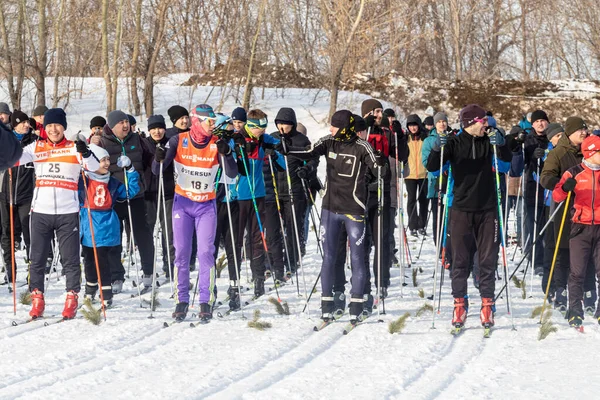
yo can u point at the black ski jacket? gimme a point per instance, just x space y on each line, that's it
23 183
347 164
532 142
152 180
471 160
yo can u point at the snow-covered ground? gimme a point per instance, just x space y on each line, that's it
132 356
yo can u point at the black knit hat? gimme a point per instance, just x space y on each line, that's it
132 120
553 130
97 121
156 121
55 116
359 123
369 105
341 119
539 114
17 117
177 112
39 110
469 113
428 121
574 124
388 112
239 114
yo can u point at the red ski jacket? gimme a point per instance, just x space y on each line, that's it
587 194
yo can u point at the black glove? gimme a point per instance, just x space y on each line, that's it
304 171
223 147
82 148
370 121
160 154
539 152
397 127
520 137
569 185
380 158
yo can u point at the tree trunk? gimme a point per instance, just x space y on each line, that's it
116 56
524 73
248 89
135 98
105 61
156 47
455 18
42 57
58 34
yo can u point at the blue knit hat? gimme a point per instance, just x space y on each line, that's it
55 116
239 114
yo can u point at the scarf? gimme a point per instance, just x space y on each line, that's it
104 178
593 167
199 135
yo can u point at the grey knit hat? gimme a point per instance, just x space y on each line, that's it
440 116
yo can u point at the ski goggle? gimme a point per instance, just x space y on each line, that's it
257 123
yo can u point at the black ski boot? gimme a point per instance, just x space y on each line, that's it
339 304
560 301
367 305
181 310
589 302
356 309
205 312
259 287
234 297
326 307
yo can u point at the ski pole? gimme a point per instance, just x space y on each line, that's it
287 253
560 231
535 219
294 222
166 225
439 229
156 237
526 254
89 210
503 239
235 260
258 220
12 241
379 247
131 236
517 217
312 217
442 268
424 237
400 200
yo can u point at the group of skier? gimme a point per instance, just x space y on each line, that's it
214 180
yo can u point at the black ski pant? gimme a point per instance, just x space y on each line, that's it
20 226
142 234
339 282
585 250
274 236
417 203
66 227
107 258
330 232
374 229
483 227
529 224
290 227
224 234
248 221
167 230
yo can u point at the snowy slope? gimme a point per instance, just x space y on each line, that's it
131 356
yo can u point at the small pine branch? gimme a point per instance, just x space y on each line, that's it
398 325
425 308
520 285
536 312
256 324
547 326
281 308
90 313
414 276
221 264
421 293
156 301
25 298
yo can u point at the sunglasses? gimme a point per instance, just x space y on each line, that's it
481 120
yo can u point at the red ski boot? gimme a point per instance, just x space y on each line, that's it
460 312
37 304
70 309
488 308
